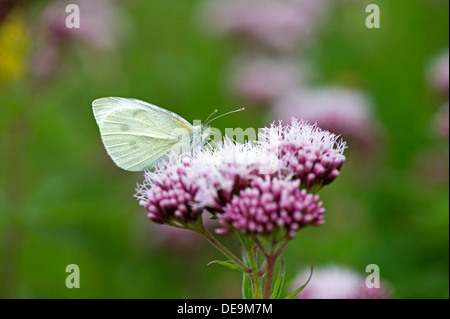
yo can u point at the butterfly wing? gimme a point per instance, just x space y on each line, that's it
103 106
137 134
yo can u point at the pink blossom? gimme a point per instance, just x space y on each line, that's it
169 194
231 181
271 204
306 152
229 167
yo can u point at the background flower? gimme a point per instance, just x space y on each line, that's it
337 282
278 25
98 23
101 29
441 121
346 112
262 79
438 73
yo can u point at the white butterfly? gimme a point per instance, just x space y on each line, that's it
137 134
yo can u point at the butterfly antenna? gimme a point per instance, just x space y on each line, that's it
241 109
214 112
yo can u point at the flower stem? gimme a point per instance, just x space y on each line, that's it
256 280
271 259
202 231
270 269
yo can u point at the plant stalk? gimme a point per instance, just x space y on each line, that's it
256 280
202 231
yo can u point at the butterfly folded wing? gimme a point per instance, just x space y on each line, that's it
102 107
138 137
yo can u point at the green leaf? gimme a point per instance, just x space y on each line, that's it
279 282
247 292
296 292
229 263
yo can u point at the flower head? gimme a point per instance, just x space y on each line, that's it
251 187
271 204
181 188
306 152
335 282
169 194
228 168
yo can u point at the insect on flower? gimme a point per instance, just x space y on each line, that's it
138 134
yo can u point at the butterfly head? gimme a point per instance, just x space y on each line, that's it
200 135
201 132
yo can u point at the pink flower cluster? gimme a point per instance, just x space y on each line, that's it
306 152
272 203
233 183
173 197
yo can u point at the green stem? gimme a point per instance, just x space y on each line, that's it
263 268
256 280
280 250
202 231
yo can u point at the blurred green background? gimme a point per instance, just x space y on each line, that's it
63 201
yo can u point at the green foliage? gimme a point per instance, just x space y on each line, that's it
299 290
63 201
229 264
277 288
